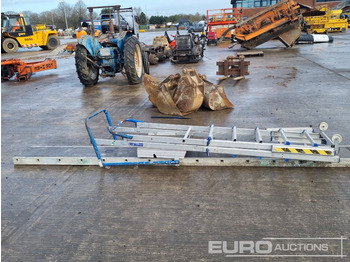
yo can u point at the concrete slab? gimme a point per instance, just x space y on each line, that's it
170 213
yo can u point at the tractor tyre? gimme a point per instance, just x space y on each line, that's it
133 60
145 62
87 72
10 45
52 42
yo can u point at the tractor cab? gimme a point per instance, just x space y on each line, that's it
15 25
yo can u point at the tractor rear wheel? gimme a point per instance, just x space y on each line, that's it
133 60
145 62
52 42
10 45
86 70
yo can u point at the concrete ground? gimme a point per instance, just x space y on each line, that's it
65 213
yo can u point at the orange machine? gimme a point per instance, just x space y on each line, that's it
281 21
218 20
23 70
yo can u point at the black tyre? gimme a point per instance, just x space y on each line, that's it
145 62
10 45
86 70
52 42
133 60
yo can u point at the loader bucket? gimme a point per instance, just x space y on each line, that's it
215 97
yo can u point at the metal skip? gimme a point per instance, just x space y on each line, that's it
186 93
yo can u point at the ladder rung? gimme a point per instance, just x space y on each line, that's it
323 134
258 137
234 133
187 134
211 131
286 142
312 141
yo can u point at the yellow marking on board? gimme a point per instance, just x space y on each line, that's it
293 150
307 151
279 149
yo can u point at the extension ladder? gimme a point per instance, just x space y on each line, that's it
169 141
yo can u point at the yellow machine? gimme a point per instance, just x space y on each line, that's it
330 21
16 32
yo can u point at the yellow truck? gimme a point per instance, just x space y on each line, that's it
327 21
16 32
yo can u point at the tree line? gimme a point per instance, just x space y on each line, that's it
176 18
74 14
78 12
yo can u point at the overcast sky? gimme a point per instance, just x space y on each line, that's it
150 7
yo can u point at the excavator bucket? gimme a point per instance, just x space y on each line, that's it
166 105
183 94
189 94
215 97
152 86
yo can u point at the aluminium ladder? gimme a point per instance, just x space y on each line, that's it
172 142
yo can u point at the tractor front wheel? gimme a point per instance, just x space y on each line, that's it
86 70
10 45
133 60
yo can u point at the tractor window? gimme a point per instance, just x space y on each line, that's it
15 24
4 26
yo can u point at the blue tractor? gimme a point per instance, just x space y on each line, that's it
120 52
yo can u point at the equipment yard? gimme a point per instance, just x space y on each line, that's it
171 213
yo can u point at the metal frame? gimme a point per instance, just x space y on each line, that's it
167 141
188 161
